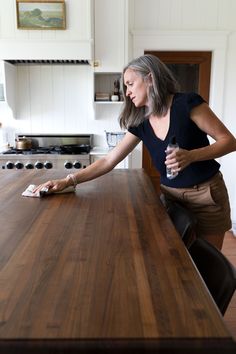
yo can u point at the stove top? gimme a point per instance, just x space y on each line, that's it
14 151
54 150
49 151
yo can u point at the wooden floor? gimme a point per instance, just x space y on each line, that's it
229 249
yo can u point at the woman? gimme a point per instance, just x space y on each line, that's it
153 112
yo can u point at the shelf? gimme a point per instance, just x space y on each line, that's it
104 83
108 102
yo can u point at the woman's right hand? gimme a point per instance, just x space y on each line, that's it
55 185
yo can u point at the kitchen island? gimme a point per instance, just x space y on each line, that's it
101 270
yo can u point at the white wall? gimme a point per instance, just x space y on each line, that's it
58 97
228 162
194 17
60 100
76 30
53 98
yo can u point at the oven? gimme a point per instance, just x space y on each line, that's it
47 151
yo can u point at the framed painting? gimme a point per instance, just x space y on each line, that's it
41 15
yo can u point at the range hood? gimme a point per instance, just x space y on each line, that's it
54 51
40 62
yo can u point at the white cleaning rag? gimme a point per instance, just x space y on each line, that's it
44 191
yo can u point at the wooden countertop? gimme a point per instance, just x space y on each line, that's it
98 271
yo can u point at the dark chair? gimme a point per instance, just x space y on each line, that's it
183 220
216 270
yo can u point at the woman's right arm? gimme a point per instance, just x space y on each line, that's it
96 169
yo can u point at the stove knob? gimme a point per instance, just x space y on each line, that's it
19 165
9 165
38 165
29 166
48 165
68 164
77 164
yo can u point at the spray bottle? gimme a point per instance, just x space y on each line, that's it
173 145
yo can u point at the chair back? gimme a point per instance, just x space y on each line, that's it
183 220
216 270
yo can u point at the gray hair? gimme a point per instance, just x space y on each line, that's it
163 86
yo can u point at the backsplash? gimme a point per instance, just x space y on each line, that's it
59 99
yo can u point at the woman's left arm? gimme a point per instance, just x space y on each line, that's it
208 122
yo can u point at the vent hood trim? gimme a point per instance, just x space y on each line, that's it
47 62
46 50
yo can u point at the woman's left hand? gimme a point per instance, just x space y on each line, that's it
177 160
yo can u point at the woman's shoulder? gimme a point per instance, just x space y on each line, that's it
187 96
189 99
140 129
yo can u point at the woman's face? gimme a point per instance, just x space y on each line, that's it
136 88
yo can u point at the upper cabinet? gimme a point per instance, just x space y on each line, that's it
2 85
8 85
110 27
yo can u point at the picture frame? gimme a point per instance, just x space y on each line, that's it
41 14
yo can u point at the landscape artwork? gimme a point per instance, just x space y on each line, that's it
43 15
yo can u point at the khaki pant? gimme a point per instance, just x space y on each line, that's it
208 201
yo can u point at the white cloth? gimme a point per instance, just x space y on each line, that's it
44 191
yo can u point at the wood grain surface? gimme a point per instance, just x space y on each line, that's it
97 271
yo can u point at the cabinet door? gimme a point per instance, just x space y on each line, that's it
8 85
123 164
110 24
2 94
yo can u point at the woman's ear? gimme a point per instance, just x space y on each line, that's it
149 79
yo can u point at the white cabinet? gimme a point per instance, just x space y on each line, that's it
110 47
110 35
7 105
97 153
2 86
8 85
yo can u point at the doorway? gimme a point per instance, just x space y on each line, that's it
193 71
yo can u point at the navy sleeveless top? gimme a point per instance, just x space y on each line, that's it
188 136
